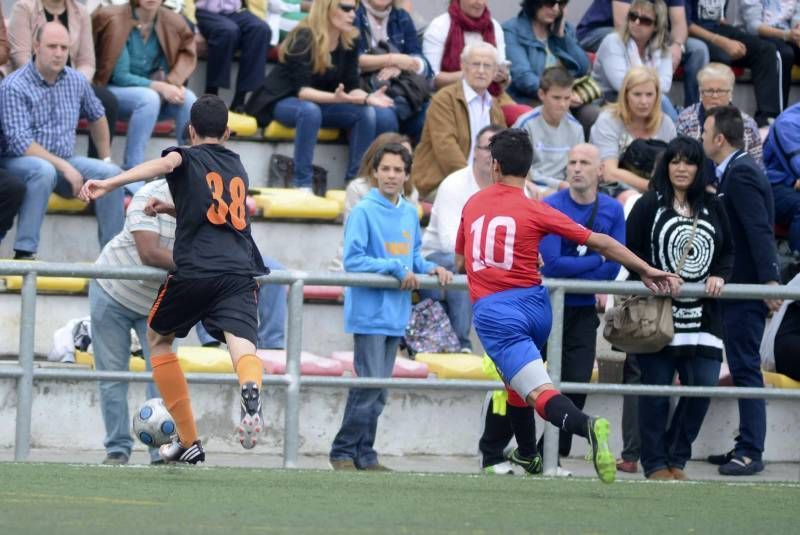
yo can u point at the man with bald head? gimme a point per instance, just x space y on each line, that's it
567 260
40 104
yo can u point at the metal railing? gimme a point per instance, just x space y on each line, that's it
292 380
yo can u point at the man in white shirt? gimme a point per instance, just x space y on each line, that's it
439 240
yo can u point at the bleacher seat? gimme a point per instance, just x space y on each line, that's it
276 131
778 380
403 367
287 203
325 294
337 195
60 205
60 285
453 365
241 124
310 364
192 359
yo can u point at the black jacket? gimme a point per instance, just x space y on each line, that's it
287 78
747 195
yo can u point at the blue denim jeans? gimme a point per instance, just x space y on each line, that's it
743 324
591 41
271 315
695 58
41 178
365 123
456 302
111 342
143 107
665 446
374 356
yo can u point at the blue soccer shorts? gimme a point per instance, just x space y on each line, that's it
512 325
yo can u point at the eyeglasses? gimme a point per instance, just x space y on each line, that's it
348 8
715 92
477 65
643 20
551 3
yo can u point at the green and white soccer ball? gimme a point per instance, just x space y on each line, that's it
153 424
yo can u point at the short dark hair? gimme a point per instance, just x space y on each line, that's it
512 150
209 116
493 128
687 149
530 7
392 148
555 76
728 122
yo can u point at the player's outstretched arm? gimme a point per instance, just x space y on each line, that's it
94 189
656 280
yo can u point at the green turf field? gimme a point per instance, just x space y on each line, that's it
65 499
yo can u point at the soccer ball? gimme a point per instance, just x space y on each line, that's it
153 424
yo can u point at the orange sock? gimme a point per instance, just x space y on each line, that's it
171 383
250 368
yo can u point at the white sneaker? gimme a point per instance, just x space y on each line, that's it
500 469
558 472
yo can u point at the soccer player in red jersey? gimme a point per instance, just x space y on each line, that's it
498 245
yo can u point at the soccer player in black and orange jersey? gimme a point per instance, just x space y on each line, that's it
216 260
498 245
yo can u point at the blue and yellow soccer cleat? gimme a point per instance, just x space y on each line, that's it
604 463
531 465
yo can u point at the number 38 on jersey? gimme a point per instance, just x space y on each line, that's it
220 212
485 245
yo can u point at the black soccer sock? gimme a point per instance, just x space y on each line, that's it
559 410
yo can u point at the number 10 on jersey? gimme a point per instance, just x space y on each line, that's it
483 250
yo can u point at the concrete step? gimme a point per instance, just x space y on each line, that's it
430 422
298 245
323 324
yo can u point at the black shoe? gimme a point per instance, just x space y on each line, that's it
252 418
174 452
723 458
741 466
24 255
532 465
116 458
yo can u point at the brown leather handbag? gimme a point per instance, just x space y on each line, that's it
643 323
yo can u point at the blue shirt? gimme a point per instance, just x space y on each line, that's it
33 110
383 238
720 169
561 257
138 60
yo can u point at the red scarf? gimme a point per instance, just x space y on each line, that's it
454 44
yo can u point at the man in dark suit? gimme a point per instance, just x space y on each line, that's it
746 193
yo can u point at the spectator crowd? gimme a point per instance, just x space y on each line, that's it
616 147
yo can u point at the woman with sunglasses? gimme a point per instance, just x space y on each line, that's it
643 40
540 37
316 85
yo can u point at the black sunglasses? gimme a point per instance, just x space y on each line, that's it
551 3
644 21
348 8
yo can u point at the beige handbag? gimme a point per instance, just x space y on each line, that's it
643 323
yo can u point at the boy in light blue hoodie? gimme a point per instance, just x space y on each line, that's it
382 235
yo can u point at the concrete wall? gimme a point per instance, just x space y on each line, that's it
424 422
